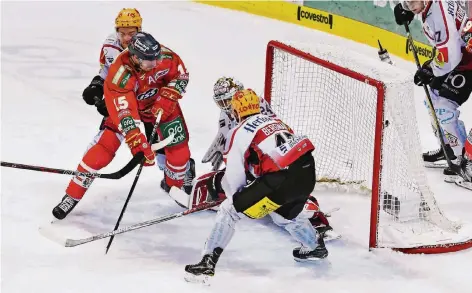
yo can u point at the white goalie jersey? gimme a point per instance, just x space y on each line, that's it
227 122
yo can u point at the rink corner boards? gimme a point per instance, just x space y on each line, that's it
329 23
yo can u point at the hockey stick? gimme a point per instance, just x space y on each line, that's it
116 175
75 242
153 133
451 165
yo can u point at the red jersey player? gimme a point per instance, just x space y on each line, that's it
143 80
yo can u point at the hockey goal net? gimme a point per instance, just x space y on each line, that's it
360 114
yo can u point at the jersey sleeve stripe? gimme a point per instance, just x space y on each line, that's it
445 25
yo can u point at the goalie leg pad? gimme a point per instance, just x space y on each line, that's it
200 192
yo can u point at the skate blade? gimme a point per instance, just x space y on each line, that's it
438 164
309 260
200 279
450 178
48 232
462 183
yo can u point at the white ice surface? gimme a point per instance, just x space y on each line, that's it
49 53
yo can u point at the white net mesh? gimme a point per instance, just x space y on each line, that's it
338 113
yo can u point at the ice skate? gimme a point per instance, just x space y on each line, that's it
305 254
437 159
202 271
64 207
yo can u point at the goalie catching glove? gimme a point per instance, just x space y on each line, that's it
137 142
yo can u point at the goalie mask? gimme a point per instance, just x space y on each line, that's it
223 91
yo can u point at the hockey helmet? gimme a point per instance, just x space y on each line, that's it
223 91
245 103
129 17
145 47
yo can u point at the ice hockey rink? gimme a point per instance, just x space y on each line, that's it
50 52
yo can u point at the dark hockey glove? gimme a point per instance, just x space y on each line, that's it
424 75
214 185
101 107
402 16
94 91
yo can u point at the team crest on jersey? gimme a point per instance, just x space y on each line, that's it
157 75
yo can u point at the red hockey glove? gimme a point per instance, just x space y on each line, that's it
137 142
167 101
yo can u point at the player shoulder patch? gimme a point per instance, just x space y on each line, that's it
166 53
121 77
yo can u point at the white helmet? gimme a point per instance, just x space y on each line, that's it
223 91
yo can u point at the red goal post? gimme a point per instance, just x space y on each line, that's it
404 215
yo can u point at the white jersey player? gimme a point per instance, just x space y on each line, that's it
128 22
284 168
224 89
449 75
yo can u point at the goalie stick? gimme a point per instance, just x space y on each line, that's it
115 175
75 242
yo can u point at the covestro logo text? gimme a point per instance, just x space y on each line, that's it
315 17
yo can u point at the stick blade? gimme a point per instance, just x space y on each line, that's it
179 196
49 233
163 143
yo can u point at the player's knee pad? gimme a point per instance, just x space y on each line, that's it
448 116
